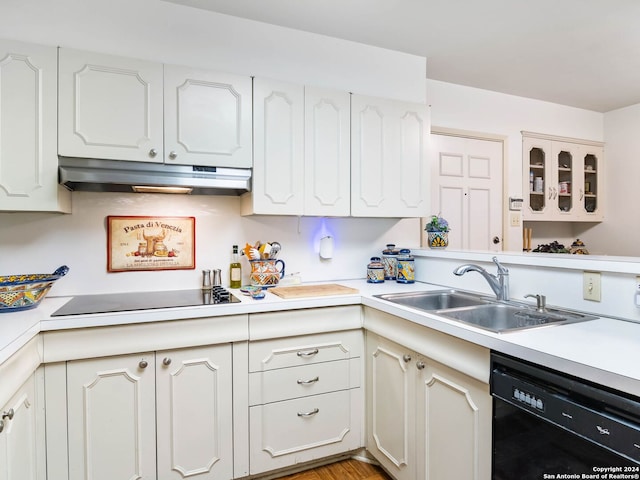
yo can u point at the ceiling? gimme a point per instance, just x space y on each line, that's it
582 53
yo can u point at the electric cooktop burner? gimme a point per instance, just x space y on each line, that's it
123 302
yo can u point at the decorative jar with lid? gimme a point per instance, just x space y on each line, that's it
375 271
390 262
406 267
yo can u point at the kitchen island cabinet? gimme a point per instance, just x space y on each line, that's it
28 115
435 411
120 108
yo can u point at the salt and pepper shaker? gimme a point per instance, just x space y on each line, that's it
206 279
217 277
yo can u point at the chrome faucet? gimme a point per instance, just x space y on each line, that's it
499 283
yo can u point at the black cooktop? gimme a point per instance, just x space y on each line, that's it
123 302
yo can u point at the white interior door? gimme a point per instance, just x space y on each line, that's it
467 190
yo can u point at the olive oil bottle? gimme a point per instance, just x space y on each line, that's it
235 270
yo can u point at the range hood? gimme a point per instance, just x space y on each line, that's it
93 175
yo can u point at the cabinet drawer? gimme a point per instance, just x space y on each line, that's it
296 431
294 382
304 350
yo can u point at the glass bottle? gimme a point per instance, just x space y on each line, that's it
235 270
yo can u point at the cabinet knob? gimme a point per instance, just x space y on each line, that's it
153 152
8 414
420 365
406 357
172 155
143 364
496 240
166 361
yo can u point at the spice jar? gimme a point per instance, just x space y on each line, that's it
406 267
375 271
390 262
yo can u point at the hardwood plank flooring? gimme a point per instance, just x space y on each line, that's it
344 470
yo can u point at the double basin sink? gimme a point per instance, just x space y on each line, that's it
484 312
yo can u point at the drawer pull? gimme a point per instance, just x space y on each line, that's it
308 382
309 414
8 414
602 431
567 415
308 353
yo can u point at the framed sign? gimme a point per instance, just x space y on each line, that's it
150 243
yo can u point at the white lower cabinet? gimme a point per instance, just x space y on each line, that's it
21 442
170 410
305 398
425 420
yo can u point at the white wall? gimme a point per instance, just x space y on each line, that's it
40 243
472 109
169 33
619 234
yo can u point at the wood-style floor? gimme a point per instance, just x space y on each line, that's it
345 470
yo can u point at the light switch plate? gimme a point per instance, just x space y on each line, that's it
591 286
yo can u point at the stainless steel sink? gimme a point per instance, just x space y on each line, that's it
435 300
500 317
484 312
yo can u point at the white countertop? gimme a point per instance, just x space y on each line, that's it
602 350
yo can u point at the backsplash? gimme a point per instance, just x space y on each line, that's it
41 242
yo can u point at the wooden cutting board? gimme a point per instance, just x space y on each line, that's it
303 291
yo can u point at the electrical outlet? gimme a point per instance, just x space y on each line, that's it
591 286
514 219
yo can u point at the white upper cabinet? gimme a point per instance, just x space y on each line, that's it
28 159
563 179
278 136
109 107
389 162
126 109
327 176
207 118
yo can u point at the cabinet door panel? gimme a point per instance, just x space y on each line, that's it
278 147
194 403
109 107
327 152
455 413
207 118
28 110
111 408
390 406
18 440
389 163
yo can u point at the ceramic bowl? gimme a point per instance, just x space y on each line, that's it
21 292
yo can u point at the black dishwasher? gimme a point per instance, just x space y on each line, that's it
549 425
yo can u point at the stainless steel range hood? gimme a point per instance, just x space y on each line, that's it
94 175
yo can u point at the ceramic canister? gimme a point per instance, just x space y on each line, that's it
406 267
375 271
390 261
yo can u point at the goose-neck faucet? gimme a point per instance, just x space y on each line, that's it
499 283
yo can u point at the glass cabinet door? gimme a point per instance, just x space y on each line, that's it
562 193
591 187
538 177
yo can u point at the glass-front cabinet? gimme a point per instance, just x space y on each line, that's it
562 179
